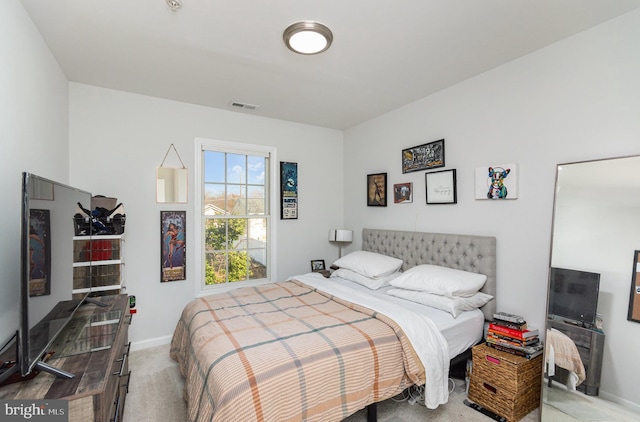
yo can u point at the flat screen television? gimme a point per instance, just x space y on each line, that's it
573 296
47 302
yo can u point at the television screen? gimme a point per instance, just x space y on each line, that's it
573 295
47 300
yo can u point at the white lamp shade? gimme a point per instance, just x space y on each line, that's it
340 235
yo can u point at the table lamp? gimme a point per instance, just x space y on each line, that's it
340 237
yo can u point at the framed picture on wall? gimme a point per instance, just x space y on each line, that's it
173 261
423 157
497 181
288 190
403 193
377 190
441 187
634 297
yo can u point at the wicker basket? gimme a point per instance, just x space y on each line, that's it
503 402
506 384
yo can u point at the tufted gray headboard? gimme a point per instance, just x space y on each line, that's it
463 252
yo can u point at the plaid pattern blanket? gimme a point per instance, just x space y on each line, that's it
288 352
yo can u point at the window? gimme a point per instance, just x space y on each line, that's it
235 213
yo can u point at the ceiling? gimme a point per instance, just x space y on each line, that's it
385 54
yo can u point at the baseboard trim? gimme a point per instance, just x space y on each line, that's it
622 402
147 344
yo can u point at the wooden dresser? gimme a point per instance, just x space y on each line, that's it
506 384
94 347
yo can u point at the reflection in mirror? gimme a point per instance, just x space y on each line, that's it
171 185
591 370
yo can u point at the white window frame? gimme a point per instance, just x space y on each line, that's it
202 144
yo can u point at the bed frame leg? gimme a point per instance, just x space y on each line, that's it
372 412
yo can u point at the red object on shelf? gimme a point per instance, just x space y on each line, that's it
99 250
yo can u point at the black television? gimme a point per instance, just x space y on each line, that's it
573 296
47 299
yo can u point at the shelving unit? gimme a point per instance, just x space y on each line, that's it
98 264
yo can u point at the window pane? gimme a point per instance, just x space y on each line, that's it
258 267
214 166
236 168
236 200
255 200
238 267
257 232
237 233
215 271
256 170
215 234
214 199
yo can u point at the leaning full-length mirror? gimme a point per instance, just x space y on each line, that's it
592 370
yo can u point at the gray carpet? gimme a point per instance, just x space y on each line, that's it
155 394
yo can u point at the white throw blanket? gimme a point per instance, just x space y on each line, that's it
430 346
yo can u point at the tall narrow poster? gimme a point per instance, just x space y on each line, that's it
39 253
288 190
173 241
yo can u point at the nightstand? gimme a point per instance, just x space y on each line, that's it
506 384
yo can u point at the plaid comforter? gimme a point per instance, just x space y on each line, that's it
288 352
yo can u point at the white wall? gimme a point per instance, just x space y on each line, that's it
117 140
578 99
33 136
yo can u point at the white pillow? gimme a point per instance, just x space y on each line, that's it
442 281
372 283
455 306
369 264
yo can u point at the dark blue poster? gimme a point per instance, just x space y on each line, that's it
289 190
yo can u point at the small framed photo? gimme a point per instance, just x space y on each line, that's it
441 187
423 157
317 265
377 190
403 193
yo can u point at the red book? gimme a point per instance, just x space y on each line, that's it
521 334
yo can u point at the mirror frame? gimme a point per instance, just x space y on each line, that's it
634 296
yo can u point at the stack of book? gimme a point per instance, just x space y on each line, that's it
509 333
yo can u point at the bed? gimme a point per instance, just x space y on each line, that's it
319 349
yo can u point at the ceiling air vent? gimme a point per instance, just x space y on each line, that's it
251 107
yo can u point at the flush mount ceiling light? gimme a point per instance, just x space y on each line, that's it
174 4
307 37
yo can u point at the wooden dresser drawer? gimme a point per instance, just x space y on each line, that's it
101 369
